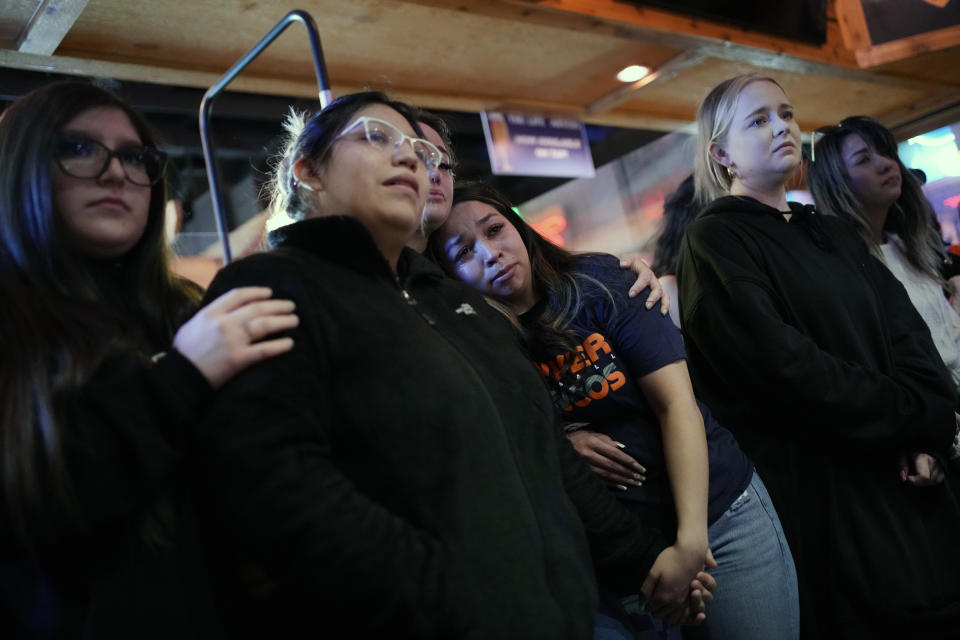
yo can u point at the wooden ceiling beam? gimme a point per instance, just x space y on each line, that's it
306 88
703 38
929 112
48 25
609 17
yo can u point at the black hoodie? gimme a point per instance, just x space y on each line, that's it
810 349
400 472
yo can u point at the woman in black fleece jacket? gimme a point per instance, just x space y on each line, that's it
810 350
92 539
400 472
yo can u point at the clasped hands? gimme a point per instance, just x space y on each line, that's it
670 593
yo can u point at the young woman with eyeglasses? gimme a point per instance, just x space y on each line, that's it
92 433
858 175
399 472
809 350
436 131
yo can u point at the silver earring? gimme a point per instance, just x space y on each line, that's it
301 185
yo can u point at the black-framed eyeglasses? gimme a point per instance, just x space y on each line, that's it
84 158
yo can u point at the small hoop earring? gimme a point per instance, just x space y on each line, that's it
301 185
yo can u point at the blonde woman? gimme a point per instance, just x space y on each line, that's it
809 349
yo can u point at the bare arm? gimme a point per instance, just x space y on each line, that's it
670 394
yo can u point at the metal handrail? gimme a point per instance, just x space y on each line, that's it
220 204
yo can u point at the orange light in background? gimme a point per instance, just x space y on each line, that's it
551 228
652 206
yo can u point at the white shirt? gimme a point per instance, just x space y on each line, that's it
927 297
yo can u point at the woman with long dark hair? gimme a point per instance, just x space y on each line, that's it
617 372
679 210
809 349
92 430
857 174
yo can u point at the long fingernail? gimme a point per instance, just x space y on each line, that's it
620 444
621 487
639 467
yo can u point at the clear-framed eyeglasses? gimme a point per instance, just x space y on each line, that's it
383 135
83 158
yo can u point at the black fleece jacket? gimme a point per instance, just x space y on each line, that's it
810 349
95 576
400 473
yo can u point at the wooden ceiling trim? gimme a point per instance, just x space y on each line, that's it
48 25
831 52
704 38
13 17
831 59
612 18
900 49
856 36
932 107
125 71
142 73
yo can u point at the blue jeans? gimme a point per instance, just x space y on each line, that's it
756 596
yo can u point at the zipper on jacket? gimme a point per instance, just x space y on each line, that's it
411 301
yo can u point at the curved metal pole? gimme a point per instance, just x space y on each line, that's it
217 199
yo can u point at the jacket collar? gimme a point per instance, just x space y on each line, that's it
804 215
344 240
746 204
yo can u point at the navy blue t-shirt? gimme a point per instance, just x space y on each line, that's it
621 341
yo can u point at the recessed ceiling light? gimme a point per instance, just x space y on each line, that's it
632 73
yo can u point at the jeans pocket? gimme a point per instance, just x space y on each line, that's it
742 500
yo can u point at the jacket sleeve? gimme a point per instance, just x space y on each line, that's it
289 515
122 433
730 317
623 547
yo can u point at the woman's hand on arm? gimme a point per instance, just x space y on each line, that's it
646 278
606 458
227 335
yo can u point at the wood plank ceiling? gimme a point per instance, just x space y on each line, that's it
549 55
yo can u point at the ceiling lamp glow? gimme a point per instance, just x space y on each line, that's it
632 73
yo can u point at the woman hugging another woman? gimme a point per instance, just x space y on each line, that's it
618 373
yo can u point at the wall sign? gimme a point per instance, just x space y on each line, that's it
531 145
